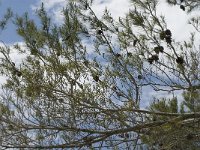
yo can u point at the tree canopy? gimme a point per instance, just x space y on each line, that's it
81 84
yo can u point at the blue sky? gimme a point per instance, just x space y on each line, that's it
19 7
117 8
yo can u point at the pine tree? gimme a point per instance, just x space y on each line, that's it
4 20
81 83
189 5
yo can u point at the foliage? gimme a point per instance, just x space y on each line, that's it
6 18
189 5
81 84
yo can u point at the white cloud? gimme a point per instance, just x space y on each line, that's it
117 8
49 4
53 7
177 20
175 17
14 55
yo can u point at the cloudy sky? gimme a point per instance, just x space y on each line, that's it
176 18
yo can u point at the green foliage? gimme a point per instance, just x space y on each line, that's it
189 5
81 83
165 105
163 136
5 19
192 100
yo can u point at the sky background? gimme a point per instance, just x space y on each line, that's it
175 17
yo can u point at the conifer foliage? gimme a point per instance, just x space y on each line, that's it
82 83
